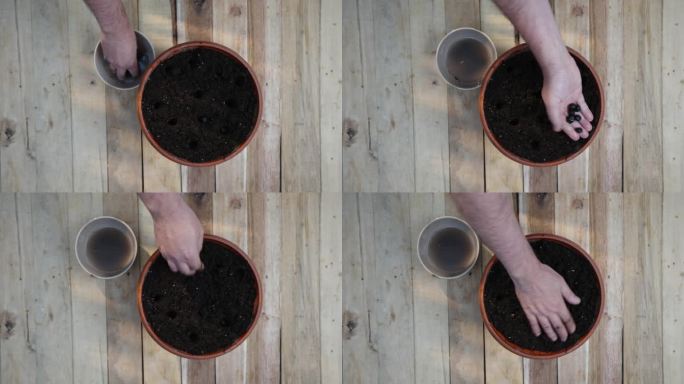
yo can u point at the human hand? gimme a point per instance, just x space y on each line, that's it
542 294
120 50
179 235
562 87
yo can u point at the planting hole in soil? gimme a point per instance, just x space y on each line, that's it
516 115
506 314
199 105
108 249
451 250
204 313
467 60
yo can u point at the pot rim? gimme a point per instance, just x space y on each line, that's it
529 353
257 305
480 102
176 49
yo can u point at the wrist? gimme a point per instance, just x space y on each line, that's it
526 266
161 205
560 64
116 25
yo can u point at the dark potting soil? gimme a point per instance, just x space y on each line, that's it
200 105
451 249
516 114
206 312
466 62
507 316
108 249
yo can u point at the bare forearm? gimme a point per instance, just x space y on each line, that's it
493 218
534 19
160 204
110 14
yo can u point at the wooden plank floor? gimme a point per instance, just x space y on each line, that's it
62 130
406 131
402 325
60 325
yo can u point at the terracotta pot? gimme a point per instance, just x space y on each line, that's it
529 353
167 55
598 118
256 311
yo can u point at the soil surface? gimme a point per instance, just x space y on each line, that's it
108 249
467 61
516 114
200 105
451 250
206 312
507 316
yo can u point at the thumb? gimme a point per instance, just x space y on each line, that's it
570 297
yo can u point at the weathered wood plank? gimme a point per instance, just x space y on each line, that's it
360 166
466 337
430 299
300 110
18 167
605 346
300 287
537 213
231 212
124 338
124 147
430 105
43 240
88 115
466 147
265 55
194 22
642 90
673 288
574 24
502 174
263 360
17 361
330 275
643 344
331 95
605 168
572 211
88 299
158 364
673 96
156 22
360 350
230 27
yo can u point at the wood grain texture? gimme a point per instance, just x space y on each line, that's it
88 114
156 22
673 97
430 105
643 348
466 331
466 151
88 299
501 173
124 338
537 214
430 314
300 109
642 92
673 288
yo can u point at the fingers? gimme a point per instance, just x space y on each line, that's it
185 269
584 108
195 263
566 318
547 327
570 296
570 131
133 69
534 324
172 265
559 327
120 73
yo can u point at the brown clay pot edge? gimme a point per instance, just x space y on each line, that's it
528 353
236 343
480 105
172 52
